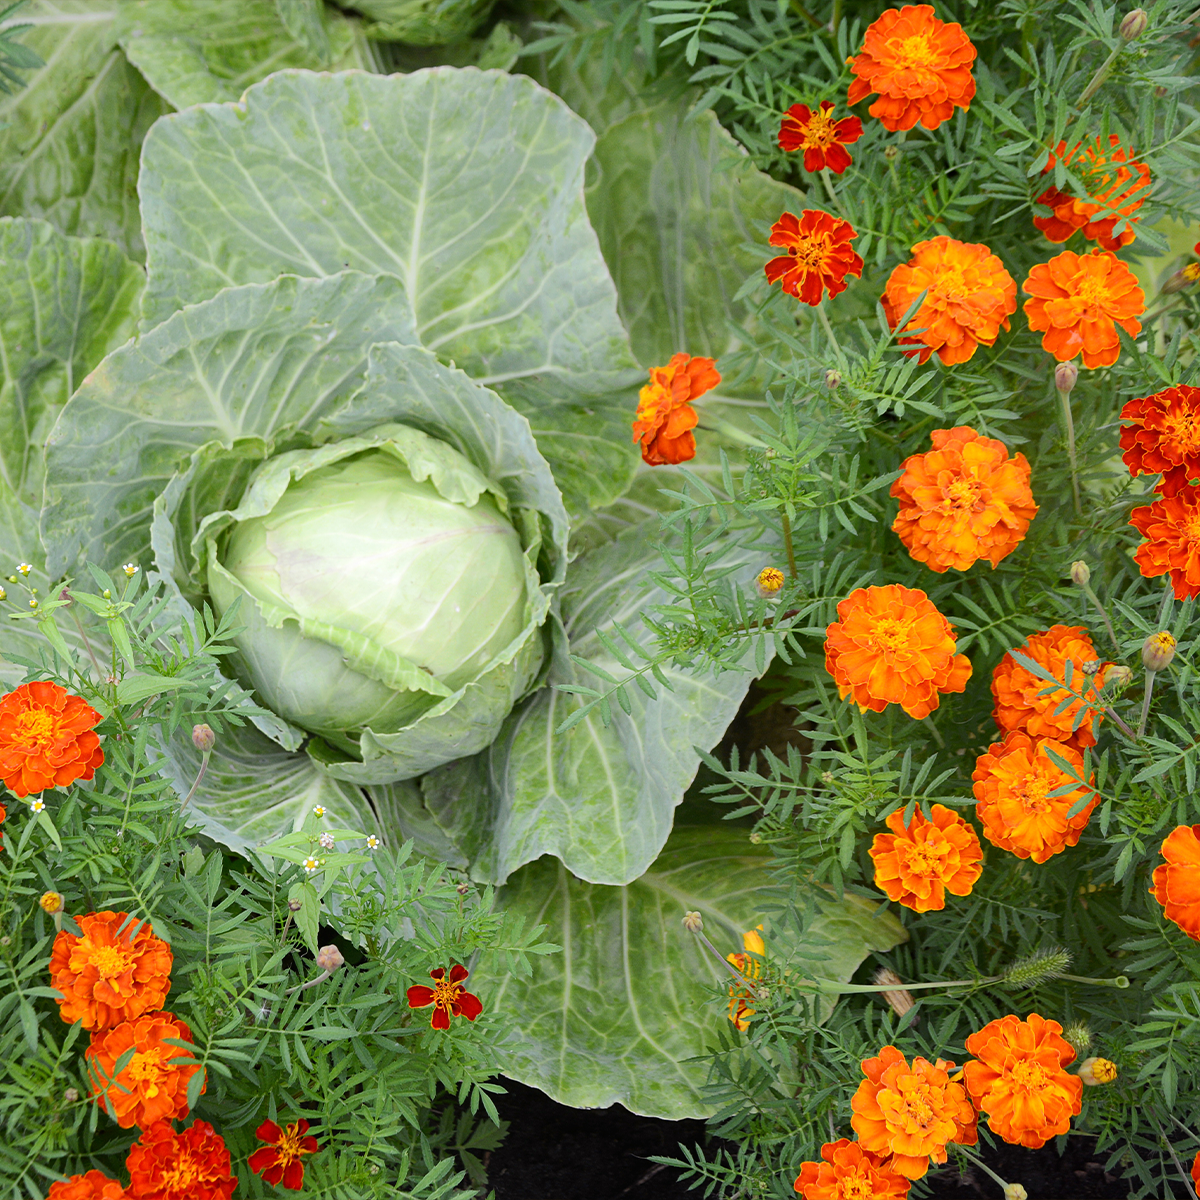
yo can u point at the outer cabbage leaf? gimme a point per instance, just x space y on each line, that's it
616 1016
423 22
70 139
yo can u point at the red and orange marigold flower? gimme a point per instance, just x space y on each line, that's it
963 500
822 139
279 1161
153 1084
1019 1081
1017 691
46 738
1177 881
890 645
741 1001
818 255
911 1113
192 1165
919 66
1117 183
1163 437
848 1172
916 865
106 976
665 417
1171 527
448 997
1013 785
969 298
1077 302
90 1186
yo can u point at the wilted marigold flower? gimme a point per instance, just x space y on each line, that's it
849 1172
46 738
920 66
90 1186
153 1084
1019 1079
818 257
822 139
1177 881
740 1006
447 997
916 865
1164 437
963 500
970 297
1116 181
1077 303
1017 691
892 646
278 1162
911 1113
665 418
192 1165
1171 527
1013 782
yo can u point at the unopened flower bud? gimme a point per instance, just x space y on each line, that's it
1157 651
898 997
106 594
1094 1071
1014 1191
51 902
329 958
65 595
1134 24
1119 676
763 993
1160 93
1079 1037
693 922
1065 375
769 582
755 838
833 380
1037 968
1092 667
203 738
891 153
295 905
463 888
1081 573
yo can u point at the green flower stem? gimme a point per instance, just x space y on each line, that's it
1069 422
832 985
1184 1174
1102 73
1141 732
1117 981
799 8
91 652
702 938
833 196
836 19
980 1163
787 545
199 777
1112 633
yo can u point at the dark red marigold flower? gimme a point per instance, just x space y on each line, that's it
822 139
818 257
447 997
1164 437
278 1162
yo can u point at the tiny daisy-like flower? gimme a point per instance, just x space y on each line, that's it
372 842
312 865
319 810
38 805
24 568
130 570
326 840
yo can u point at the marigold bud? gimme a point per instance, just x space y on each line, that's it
1094 1071
203 738
755 838
1119 676
329 958
693 922
1081 573
891 152
463 888
1065 375
1134 24
833 380
70 1096
1179 281
1079 1037
769 582
1037 968
295 905
1014 1191
762 993
51 902
1157 651
899 997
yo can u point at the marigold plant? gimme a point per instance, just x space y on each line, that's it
969 298
193 1164
46 738
109 974
1163 437
962 501
1017 1079
1171 527
741 998
665 417
448 997
1176 884
890 645
822 139
280 1161
919 66
818 255
92 1185
847 1172
917 864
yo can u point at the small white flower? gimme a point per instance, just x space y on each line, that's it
312 865
38 805
24 568
130 570
326 840
319 810
372 842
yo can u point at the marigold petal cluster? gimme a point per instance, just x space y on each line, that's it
153 1084
822 139
916 865
962 501
1195 1172
448 997
1163 437
847 1171
910 1113
1017 691
919 66
1176 884
191 1165
46 738
1014 782
93 1185
1171 527
890 645
1017 1078
665 418
818 255
280 1160
969 298
741 999
1114 179
107 976
1077 302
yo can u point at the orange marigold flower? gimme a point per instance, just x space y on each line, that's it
1019 703
822 139
741 1007
1177 881
818 257
1013 785
1019 1079
892 646
1196 1160
910 1113
920 66
279 1160
963 500
46 738
970 297
916 865
447 997
154 1082
1079 300
1117 183
1164 437
90 1186
107 977
1171 527
849 1172
665 417
192 1165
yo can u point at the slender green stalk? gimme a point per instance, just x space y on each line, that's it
1112 633
199 777
1141 732
1102 73
833 196
1069 422
787 545
980 1163
836 19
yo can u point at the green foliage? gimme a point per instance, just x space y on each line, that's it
14 57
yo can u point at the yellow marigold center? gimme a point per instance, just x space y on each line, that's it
1191 272
147 1066
923 859
1191 527
889 635
963 493
951 283
183 1172
1030 1075
856 1187
1103 1070
111 961
821 132
914 52
1093 292
445 993
36 726
288 1147
808 252
1184 428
